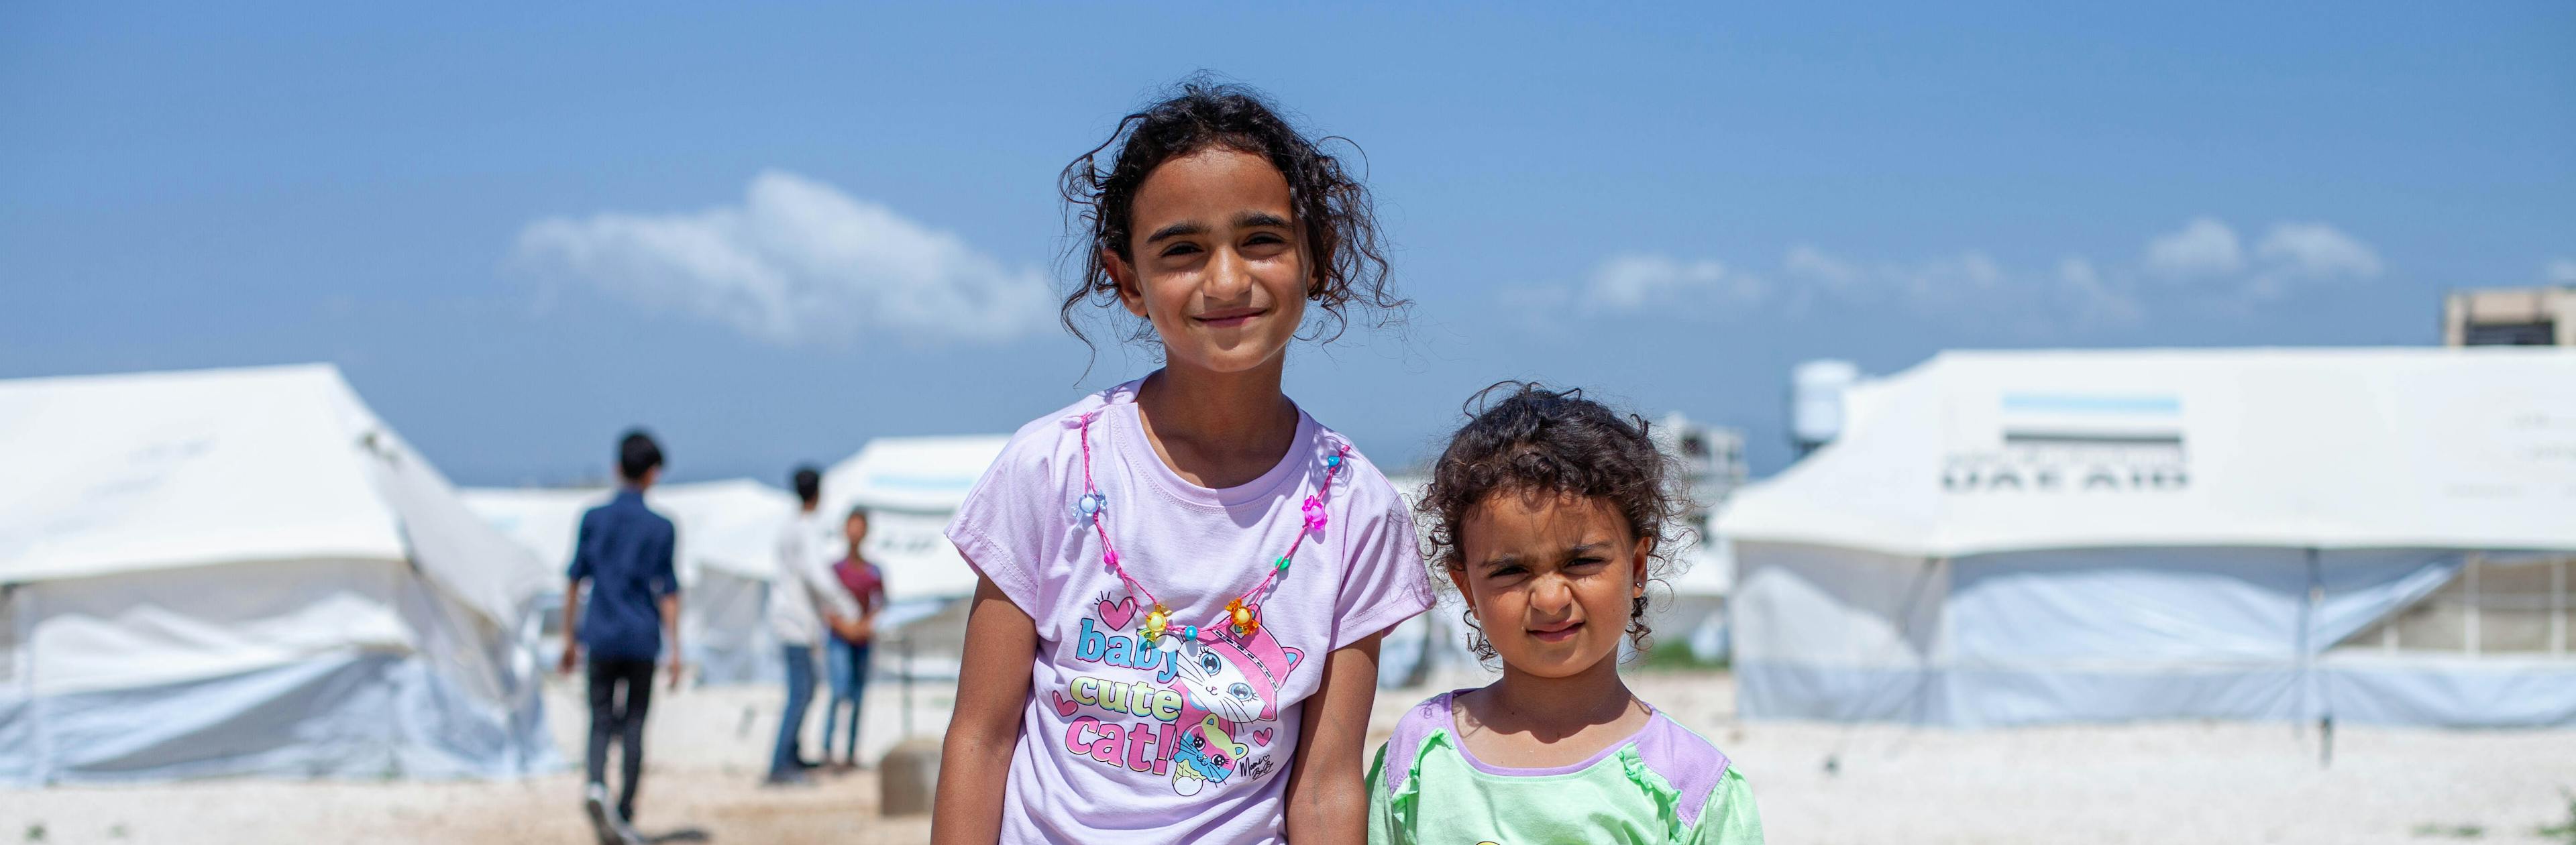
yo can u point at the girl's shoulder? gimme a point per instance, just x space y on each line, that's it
1417 725
1046 444
1688 761
1061 423
1363 488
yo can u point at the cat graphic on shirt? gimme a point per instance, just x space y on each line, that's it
1225 686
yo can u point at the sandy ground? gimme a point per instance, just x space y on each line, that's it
2173 782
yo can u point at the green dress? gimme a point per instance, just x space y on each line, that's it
1665 784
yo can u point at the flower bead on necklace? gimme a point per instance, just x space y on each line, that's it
1245 620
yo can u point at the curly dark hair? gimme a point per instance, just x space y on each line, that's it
1333 209
1534 441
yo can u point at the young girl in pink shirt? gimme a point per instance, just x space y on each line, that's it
1185 577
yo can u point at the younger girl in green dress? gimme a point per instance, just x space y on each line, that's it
1545 510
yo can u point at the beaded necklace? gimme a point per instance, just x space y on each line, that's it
1243 612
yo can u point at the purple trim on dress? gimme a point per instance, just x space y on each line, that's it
1430 715
1449 720
1692 765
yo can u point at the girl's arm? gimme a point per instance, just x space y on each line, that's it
992 693
1327 798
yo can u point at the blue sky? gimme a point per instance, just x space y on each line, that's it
770 233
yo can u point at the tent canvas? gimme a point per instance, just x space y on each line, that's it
728 535
246 572
2014 537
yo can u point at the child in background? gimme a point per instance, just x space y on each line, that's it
1185 577
1546 509
846 658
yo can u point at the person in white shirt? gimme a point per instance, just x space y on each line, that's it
806 604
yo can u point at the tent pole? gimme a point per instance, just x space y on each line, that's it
1932 660
2309 706
2558 609
2469 623
904 647
39 711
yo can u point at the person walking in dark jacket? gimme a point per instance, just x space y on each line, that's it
631 618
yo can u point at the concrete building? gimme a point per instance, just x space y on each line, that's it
2538 316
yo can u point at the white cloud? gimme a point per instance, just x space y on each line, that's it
2318 251
1635 281
796 262
2203 247
2559 271
2083 294
1964 277
1967 285
2202 268
1807 262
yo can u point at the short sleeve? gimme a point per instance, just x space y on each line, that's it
1729 818
1004 528
1384 582
581 566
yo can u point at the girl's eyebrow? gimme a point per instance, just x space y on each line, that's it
1260 219
1568 553
1180 229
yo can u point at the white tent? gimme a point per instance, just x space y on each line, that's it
2015 537
246 572
728 536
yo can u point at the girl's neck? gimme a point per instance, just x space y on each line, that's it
1553 708
1217 429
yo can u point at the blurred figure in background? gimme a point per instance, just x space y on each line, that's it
630 619
806 605
845 662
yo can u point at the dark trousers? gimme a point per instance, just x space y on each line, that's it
622 717
800 693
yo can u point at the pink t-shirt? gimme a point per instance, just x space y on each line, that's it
1135 745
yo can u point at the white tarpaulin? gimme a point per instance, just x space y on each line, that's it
726 555
2014 537
245 572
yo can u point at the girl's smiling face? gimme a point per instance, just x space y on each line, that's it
1550 578
1216 264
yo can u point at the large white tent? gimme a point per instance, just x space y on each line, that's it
246 572
2018 537
727 554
